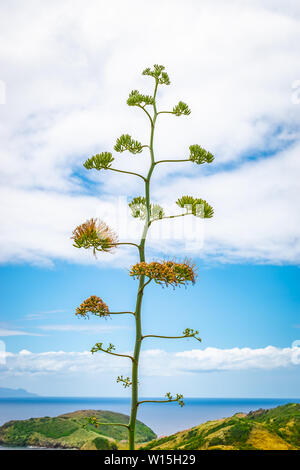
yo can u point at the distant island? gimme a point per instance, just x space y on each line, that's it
15 393
274 429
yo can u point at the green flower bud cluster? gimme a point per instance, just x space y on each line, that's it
199 155
196 206
181 109
158 73
99 161
125 142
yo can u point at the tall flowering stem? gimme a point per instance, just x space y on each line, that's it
98 236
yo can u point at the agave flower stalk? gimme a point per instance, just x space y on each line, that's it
98 236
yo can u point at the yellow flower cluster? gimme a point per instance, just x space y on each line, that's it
166 272
93 305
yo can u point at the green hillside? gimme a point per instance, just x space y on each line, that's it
67 431
275 429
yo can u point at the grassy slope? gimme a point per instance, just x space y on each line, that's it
67 431
275 429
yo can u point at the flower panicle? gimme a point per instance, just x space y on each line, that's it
190 333
126 142
158 73
181 109
196 206
138 99
199 155
178 398
99 347
125 381
166 273
93 305
90 420
100 161
94 233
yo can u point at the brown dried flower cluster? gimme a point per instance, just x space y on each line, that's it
94 234
93 305
166 272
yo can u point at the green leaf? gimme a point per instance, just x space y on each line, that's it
125 142
137 99
199 155
181 109
196 206
99 161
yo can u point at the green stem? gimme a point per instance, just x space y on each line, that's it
142 107
140 293
134 377
145 284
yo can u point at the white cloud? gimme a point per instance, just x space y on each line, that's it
8 332
82 327
234 62
269 357
38 226
44 314
153 362
257 209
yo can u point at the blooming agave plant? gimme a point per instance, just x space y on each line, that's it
97 235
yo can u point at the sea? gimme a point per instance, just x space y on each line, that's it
163 419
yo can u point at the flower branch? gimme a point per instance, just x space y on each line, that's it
121 313
126 382
169 161
187 333
125 243
127 172
108 350
178 398
149 116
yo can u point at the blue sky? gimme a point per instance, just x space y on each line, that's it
233 306
255 305
62 99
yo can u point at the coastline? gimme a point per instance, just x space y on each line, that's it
163 419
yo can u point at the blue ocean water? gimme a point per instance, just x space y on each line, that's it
162 418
